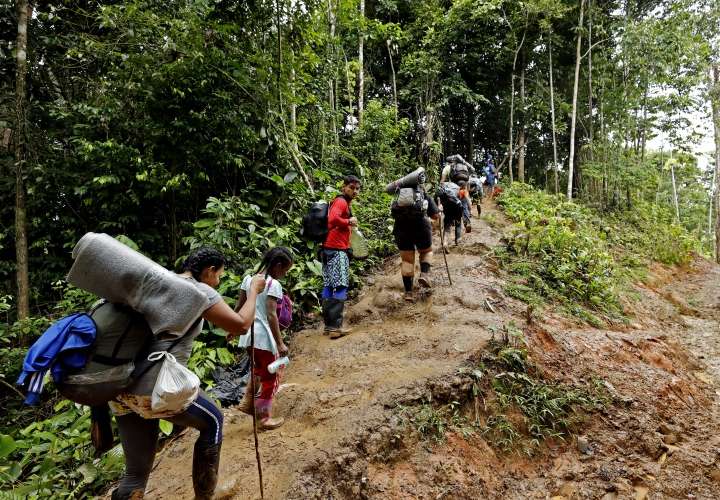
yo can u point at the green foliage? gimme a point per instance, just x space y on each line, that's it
522 404
568 253
554 252
432 422
53 458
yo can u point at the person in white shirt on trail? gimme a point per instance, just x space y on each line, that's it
269 344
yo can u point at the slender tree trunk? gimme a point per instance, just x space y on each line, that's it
511 143
361 62
716 122
710 203
552 116
24 13
574 103
512 122
392 70
470 134
674 187
521 131
591 131
331 82
349 89
293 107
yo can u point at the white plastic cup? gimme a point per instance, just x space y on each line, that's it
275 365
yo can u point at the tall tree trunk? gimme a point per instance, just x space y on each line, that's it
511 143
24 13
674 187
332 19
512 122
574 103
552 116
361 62
716 122
470 134
392 70
591 131
521 131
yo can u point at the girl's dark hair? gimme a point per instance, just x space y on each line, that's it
276 255
201 259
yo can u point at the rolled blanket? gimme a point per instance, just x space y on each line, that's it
116 272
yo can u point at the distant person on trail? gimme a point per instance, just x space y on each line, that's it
458 170
490 177
475 190
269 344
410 210
448 195
335 259
138 423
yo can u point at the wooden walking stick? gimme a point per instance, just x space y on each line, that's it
442 242
253 389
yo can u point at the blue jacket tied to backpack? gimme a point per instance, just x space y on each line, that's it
63 347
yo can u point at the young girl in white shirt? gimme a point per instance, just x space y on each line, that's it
268 344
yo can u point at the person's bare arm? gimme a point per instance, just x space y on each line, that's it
271 306
237 322
242 298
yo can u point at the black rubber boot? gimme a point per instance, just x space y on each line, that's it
334 323
458 233
206 461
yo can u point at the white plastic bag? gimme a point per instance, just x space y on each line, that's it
176 386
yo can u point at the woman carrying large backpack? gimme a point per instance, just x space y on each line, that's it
138 423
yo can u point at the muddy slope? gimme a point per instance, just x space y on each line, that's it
343 437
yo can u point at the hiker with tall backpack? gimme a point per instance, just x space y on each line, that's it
136 419
130 353
269 345
335 258
457 170
449 197
410 210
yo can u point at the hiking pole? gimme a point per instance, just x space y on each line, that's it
253 389
442 242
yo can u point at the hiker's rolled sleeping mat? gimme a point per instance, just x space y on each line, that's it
117 273
410 180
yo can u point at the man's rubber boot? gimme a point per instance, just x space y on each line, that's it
458 234
133 495
334 327
264 414
206 461
327 315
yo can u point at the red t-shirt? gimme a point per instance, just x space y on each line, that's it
338 237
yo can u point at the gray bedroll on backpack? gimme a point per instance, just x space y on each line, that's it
143 300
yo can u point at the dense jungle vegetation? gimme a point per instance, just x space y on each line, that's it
181 123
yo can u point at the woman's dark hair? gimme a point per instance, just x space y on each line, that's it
201 259
276 255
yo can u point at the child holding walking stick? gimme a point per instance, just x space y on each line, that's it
268 343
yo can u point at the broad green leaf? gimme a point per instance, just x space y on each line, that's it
166 427
7 445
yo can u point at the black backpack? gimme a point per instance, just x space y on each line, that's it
459 172
448 192
315 221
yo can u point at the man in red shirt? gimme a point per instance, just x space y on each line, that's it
336 263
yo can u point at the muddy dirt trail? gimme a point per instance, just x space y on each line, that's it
343 437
